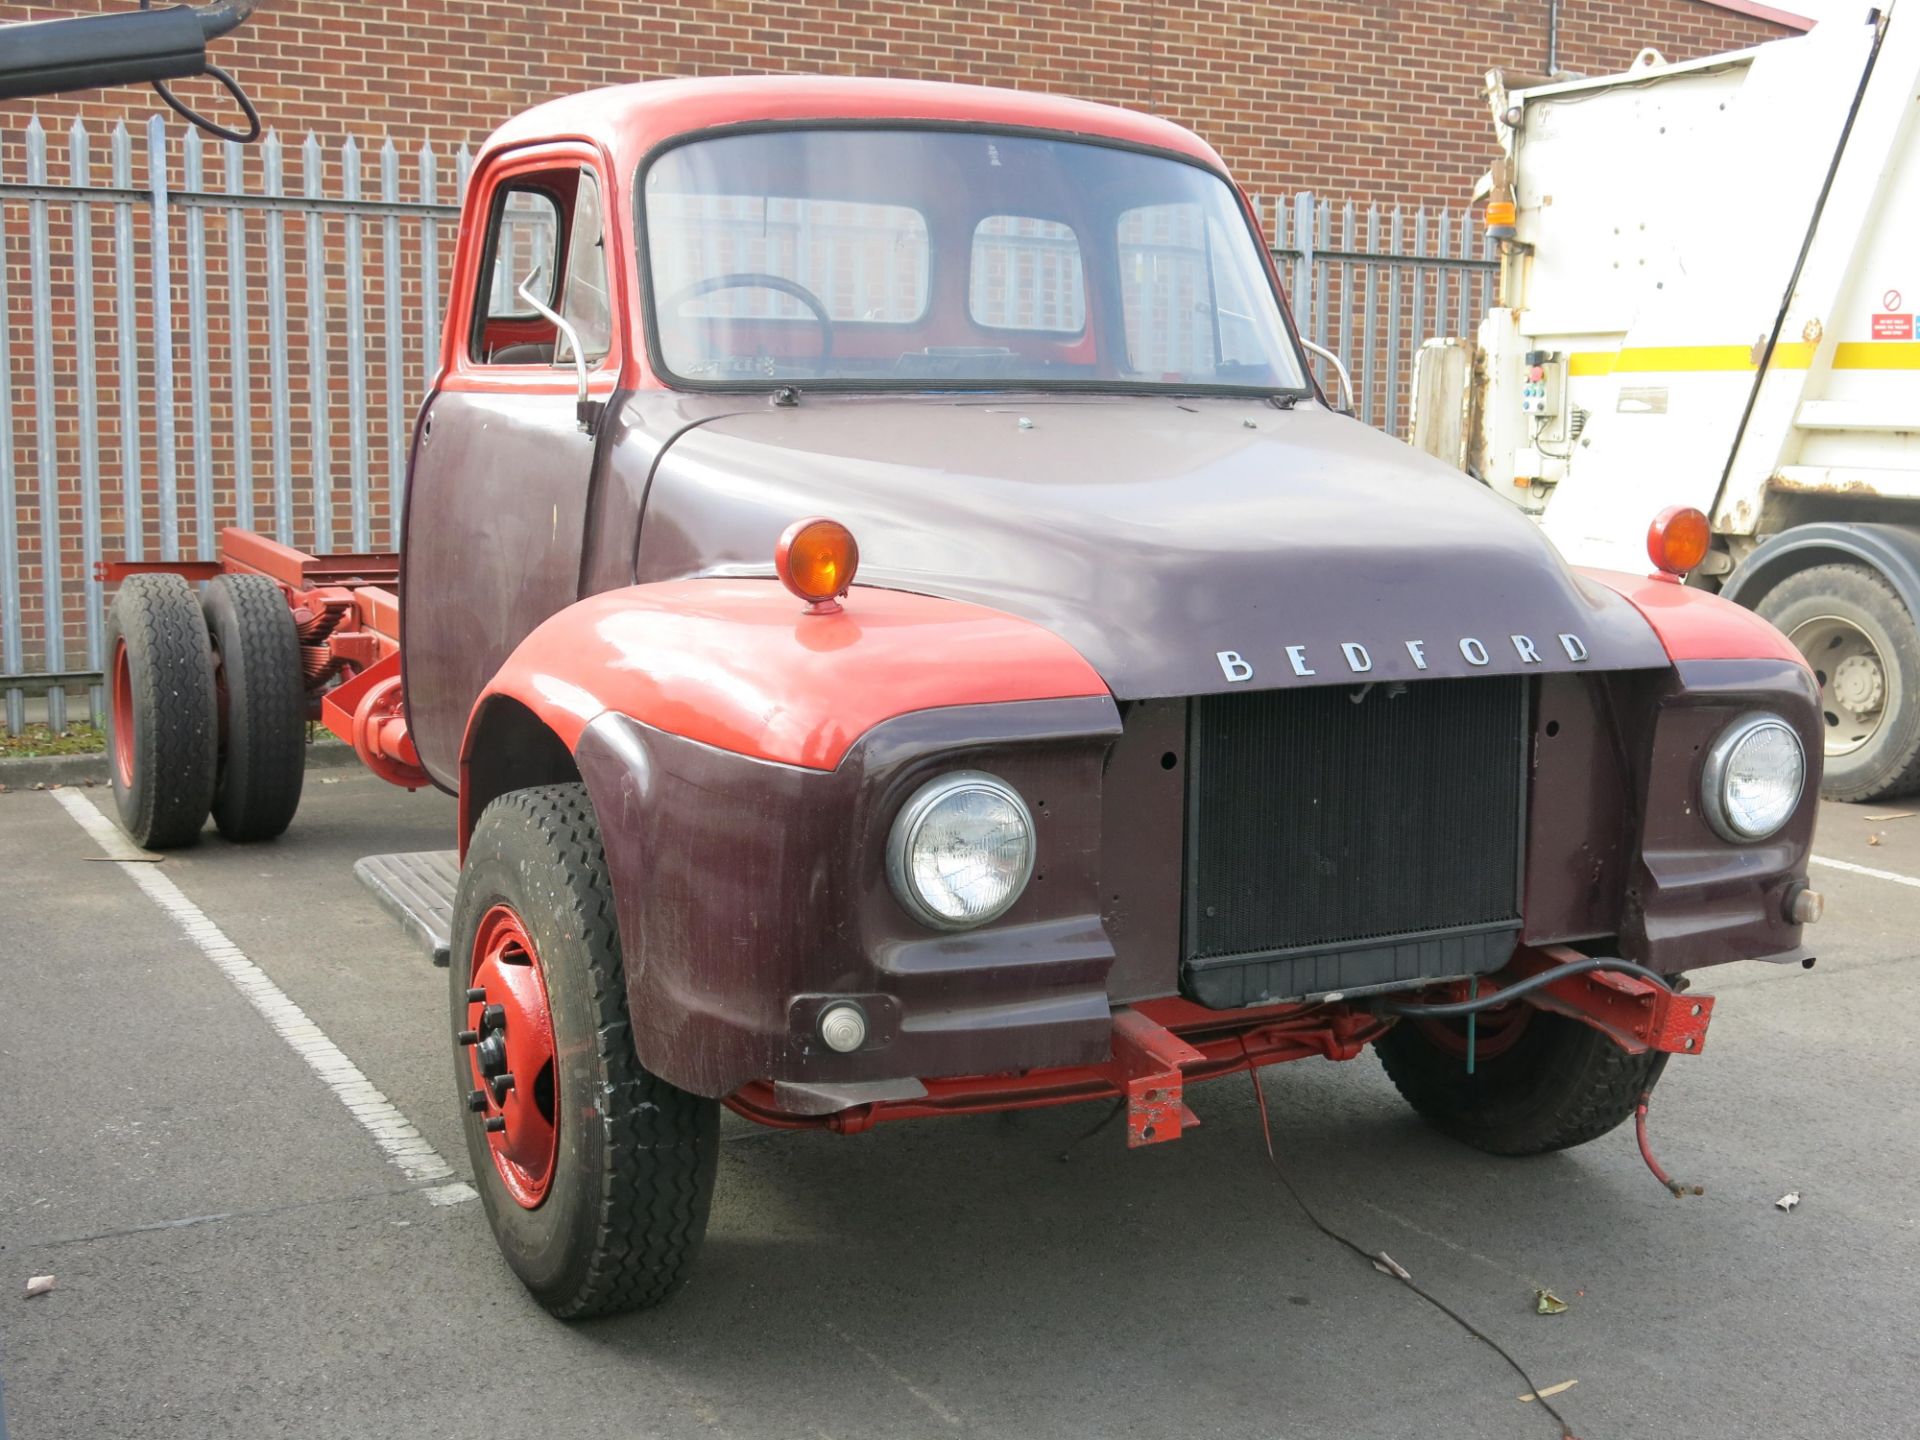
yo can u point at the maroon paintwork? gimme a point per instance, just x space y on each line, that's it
1156 535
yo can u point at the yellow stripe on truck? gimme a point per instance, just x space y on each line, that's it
1877 355
1797 355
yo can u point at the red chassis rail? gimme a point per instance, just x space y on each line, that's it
346 610
1160 1045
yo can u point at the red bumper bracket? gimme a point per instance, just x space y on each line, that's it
1147 1061
1637 1016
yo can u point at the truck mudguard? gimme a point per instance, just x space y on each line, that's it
746 759
1694 624
739 664
1893 550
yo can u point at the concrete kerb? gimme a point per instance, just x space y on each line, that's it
26 771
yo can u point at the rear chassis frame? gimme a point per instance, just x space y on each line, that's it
346 610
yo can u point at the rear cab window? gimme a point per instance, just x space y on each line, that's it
1026 274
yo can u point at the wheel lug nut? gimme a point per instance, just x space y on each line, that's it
476 1100
502 1084
494 1017
468 1037
495 1124
475 995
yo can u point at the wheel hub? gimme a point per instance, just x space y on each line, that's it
1859 685
121 715
509 1036
1852 677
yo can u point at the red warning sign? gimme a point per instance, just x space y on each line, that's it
1893 327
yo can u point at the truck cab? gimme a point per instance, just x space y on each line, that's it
910 638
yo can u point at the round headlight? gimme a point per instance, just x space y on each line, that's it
961 850
1753 778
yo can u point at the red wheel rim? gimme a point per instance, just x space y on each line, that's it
120 712
1495 1032
511 1064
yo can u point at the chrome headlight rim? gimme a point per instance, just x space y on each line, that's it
1713 777
906 831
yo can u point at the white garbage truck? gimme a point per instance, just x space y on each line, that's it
1707 293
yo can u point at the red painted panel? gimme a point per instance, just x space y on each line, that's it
1694 625
631 119
740 665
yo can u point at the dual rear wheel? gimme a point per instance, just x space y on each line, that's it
206 709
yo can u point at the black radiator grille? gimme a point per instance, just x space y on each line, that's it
1333 819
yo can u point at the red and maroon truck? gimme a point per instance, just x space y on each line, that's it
909 637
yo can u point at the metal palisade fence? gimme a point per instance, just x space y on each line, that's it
195 335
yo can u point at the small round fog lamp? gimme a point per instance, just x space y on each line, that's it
816 559
1678 540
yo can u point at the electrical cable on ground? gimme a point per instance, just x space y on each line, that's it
1093 1130
1387 1265
1640 1134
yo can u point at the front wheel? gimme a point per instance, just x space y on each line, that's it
1540 1081
596 1175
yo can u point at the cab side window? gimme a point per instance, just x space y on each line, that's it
522 240
546 238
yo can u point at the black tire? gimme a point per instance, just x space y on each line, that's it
1888 763
1559 1083
625 1210
162 720
263 698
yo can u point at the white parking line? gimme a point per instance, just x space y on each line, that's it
391 1131
1854 869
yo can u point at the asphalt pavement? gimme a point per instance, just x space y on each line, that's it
245 1242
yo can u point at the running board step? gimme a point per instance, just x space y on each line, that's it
417 890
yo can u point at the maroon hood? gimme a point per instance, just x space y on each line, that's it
1152 534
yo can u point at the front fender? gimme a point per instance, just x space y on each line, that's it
741 665
745 760
1694 624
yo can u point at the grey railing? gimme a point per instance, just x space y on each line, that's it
1372 284
274 385
271 388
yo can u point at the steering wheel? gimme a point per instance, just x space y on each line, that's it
757 280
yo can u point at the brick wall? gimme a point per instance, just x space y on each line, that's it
1370 99
1374 98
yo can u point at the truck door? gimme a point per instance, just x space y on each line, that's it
499 489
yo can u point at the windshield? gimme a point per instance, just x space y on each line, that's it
935 259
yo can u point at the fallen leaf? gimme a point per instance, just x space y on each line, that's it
1563 1386
1873 839
1896 815
330 780
1787 1201
1545 1302
39 1285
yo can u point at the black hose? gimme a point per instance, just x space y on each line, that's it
1454 1010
